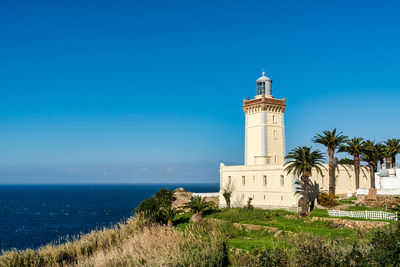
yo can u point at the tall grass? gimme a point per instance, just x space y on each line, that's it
132 243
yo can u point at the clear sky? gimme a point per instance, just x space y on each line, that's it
151 91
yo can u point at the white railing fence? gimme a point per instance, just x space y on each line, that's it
206 194
366 214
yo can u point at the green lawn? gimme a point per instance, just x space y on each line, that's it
286 222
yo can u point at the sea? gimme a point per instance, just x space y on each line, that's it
34 215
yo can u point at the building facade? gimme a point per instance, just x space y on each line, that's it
262 177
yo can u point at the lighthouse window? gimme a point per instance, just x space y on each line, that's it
282 180
273 118
261 88
275 135
254 178
265 180
276 159
229 180
243 180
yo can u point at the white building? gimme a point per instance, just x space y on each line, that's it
262 177
387 182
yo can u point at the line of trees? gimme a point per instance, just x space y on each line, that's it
303 160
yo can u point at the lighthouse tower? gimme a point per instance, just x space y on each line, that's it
265 126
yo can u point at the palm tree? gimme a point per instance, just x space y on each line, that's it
302 161
354 148
386 155
331 140
314 190
198 205
169 214
394 145
381 154
371 154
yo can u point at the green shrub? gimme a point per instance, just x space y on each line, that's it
249 206
327 200
386 245
164 198
277 256
313 250
150 207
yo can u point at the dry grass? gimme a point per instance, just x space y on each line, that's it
134 243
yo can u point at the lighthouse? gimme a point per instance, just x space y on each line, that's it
263 178
264 126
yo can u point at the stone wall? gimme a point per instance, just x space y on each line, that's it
380 201
182 197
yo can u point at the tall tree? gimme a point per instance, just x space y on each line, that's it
381 154
394 146
332 141
386 155
302 161
371 155
354 148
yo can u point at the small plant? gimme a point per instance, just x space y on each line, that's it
198 205
396 206
327 200
227 193
168 214
249 206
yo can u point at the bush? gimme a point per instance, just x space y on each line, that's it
164 198
313 250
249 206
327 200
150 207
273 257
386 245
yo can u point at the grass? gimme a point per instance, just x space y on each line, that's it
243 237
284 221
349 200
132 243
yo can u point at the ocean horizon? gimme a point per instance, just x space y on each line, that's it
33 215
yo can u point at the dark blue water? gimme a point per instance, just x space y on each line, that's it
34 215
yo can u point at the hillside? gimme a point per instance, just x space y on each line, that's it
237 237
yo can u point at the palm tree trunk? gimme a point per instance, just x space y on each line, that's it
357 170
381 161
372 173
331 171
304 207
394 161
388 161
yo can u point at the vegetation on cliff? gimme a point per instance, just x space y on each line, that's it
228 237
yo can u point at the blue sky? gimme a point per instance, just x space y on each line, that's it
151 91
